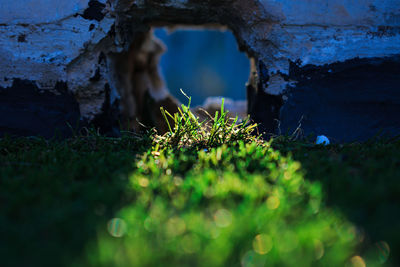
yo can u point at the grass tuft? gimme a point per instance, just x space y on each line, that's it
189 131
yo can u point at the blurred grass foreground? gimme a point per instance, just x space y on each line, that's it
183 200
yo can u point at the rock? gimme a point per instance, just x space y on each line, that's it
213 104
333 62
322 140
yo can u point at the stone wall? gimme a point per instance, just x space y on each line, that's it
332 65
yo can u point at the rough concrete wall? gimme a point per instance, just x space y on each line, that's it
43 40
69 41
322 32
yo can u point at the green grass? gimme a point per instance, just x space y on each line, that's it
185 129
204 194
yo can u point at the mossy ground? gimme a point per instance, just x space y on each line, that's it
154 201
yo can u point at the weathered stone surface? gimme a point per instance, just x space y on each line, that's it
76 42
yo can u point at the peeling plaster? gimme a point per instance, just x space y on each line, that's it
39 11
277 85
47 49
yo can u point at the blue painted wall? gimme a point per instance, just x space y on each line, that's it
204 63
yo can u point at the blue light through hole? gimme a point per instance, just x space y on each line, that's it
204 63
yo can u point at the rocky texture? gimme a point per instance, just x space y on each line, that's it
75 42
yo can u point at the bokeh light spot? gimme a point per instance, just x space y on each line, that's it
262 244
252 259
247 259
357 261
213 230
144 182
273 202
117 227
190 244
287 175
175 227
178 181
383 250
223 218
319 249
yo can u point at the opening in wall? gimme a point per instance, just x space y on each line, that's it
207 65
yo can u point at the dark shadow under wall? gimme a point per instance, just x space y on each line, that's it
262 107
25 111
349 101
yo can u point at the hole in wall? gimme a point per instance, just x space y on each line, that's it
206 64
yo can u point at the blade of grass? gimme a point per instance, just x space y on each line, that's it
166 119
